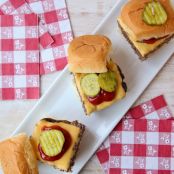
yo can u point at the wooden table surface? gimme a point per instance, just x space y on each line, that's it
85 16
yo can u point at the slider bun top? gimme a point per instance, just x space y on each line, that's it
131 15
17 156
88 54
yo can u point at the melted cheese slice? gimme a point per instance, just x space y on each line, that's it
143 48
120 92
64 162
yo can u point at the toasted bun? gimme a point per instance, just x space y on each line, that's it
88 54
131 15
17 156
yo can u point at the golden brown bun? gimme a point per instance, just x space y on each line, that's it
131 15
17 156
88 54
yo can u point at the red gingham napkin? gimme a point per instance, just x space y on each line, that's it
11 7
55 19
19 57
54 14
142 143
20 69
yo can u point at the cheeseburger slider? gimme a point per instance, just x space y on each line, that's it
98 80
17 156
147 24
57 142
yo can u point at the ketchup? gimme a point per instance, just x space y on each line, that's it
108 96
101 97
96 100
153 40
65 146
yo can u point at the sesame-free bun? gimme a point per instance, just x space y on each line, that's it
131 16
17 156
88 54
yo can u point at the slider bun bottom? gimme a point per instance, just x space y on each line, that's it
120 92
75 130
142 49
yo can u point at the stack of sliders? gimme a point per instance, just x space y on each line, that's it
98 80
147 24
53 142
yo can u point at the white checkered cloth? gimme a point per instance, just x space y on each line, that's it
12 7
142 143
54 15
20 69
19 57
55 19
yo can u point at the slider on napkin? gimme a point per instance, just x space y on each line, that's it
98 80
147 24
17 156
56 142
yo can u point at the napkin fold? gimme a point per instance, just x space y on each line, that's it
54 15
12 7
142 142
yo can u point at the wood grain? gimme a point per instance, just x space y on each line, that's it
85 16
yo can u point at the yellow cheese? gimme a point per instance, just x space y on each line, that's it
64 162
120 92
143 48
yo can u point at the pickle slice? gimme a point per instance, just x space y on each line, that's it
154 13
52 142
107 81
90 85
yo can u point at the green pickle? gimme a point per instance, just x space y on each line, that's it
107 81
52 142
154 13
90 85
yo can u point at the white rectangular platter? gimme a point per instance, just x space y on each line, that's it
62 102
